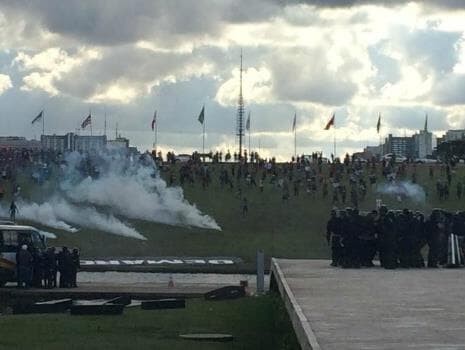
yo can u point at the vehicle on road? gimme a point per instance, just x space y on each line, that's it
12 237
182 158
426 161
397 159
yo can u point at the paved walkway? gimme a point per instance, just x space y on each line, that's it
334 308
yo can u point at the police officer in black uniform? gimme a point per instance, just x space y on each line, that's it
333 237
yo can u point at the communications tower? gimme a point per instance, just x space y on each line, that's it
240 115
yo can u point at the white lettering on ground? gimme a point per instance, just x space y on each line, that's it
220 262
132 262
195 261
158 262
167 261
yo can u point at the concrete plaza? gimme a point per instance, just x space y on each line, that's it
333 308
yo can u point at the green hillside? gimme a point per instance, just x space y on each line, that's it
293 228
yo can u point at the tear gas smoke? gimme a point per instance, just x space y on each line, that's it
134 190
93 190
56 212
402 190
43 213
48 235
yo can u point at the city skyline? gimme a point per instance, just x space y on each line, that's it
313 58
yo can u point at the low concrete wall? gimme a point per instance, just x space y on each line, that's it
302 327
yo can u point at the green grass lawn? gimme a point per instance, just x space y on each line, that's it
255 322
294 229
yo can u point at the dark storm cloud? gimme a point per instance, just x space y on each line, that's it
413 118
453 4
113 22
449 90
432 48
388 69
127 63
303 75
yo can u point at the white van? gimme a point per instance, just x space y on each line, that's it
12 237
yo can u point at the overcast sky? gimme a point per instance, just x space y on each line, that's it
313 58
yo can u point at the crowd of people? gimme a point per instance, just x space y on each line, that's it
397 237
346 182
355 239
41 269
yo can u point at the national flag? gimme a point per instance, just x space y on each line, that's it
202 115
294 122
378 125
87 121
154 120
39 117
247 124
330 122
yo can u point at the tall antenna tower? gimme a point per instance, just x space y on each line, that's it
240 115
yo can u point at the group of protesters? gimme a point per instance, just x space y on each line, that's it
40 269
397 237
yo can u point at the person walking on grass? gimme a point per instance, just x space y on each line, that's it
13 211
245 207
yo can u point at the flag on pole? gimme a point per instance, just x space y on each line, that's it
247 124
202 115
294 122
378 125
39 117
87 121
154 120
330 122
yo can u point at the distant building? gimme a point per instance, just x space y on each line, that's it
59 143
89 143
118 143
423 144
73 142
400 146
16 142
454 135
373 151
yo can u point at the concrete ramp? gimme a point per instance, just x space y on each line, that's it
333 308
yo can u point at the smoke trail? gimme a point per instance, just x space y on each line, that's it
134 190
117 184
56 212
48 234
403 189
44 214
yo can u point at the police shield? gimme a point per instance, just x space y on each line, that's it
454 257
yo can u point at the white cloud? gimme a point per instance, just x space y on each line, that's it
116 92
5 83
44 68
256 87
358 60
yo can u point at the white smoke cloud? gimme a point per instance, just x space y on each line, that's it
56 212
43 213
121 186
403 189
48 235
133 189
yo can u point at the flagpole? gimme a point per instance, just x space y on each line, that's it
105 123
90 115
203 141
156 137
334 139
43 123
249 142
295 142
